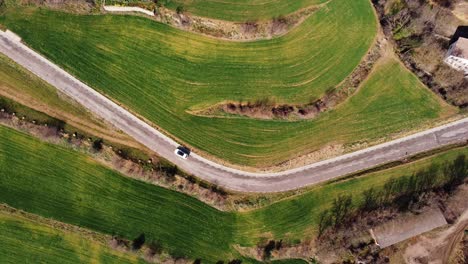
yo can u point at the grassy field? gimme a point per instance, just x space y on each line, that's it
24 86
29 96
162 73
64 185
59 183
27 241
242 10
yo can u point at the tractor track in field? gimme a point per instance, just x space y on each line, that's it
229 178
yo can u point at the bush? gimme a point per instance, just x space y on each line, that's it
444 3
138 242
169 169
97 144
268 248
180 9
156 247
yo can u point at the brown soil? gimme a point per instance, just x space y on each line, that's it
75 6
303 250
440 245
439 248
460 10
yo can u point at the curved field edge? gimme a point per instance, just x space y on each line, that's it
236 10
25 240
160 72
28 238
60 183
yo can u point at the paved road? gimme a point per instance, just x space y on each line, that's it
224 176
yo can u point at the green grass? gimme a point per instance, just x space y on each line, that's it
27 241
27 95
30 115
30 97
232 10
16 80
59 183
242 10
162 73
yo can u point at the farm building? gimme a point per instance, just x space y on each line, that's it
457 55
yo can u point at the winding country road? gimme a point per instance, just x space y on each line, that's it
230 178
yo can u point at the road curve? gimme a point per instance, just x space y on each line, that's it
229 178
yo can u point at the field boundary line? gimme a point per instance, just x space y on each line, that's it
213 172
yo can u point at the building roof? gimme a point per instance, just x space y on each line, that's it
461 48
461 32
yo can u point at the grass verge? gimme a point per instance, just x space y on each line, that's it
29 96
62 184
163 73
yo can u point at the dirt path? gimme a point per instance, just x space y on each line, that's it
217 173
461 10
438 250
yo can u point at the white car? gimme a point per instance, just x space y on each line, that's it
182 152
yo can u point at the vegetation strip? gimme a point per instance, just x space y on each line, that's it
222 175
177 73
59 183
231 10
28 238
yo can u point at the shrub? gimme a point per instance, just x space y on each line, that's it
180 9
97 144
156 247
268 248
138 242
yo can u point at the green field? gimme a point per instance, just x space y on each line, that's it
27 95
242 10
17 81
27 241
162 73
59 183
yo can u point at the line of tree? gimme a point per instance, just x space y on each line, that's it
400 192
